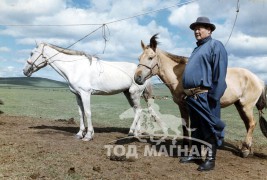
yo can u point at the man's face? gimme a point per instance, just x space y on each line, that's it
201 32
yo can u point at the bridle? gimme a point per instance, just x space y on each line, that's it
150 68
45 62
158 64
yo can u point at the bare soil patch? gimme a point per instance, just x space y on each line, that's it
32 148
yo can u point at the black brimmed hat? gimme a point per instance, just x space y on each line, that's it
203 21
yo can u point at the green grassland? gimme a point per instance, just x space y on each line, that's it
47 99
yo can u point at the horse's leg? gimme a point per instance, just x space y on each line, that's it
154 115
147 94
81 132
134 101
186 124
246 113
86 99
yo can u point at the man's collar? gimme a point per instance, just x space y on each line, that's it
202 41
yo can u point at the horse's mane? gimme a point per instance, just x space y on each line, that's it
69 51
176 58
153 44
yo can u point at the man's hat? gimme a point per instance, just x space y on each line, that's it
203 21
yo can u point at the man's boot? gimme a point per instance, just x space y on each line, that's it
193 157
209 162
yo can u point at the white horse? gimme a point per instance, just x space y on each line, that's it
86 76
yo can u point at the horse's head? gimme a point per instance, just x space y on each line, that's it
148 61
36 61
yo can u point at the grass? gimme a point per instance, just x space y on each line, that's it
47 99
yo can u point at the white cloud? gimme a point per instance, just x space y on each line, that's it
125 31
184 16
4 49
256 64
124 39
9 71
25 11
245 45
252 18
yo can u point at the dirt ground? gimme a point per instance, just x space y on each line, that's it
32 148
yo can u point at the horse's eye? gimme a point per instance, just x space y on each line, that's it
150 58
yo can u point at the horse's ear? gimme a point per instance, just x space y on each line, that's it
143 45
153 42
37 43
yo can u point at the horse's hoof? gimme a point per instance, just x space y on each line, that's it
245 153
87 139
78 136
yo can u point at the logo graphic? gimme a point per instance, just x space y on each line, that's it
170 127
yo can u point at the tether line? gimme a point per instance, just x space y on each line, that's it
237 11
97 24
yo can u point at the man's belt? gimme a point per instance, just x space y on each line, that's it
194 91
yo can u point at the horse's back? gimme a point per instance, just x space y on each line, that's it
100 77
243 86
113 77
122 66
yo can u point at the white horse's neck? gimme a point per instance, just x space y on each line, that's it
63 63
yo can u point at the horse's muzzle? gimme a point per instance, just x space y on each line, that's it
27 72
138 79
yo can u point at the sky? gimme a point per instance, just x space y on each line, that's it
23 23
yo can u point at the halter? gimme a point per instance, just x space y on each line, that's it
32 64
150 68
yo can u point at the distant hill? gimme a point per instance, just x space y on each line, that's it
31 81
44 82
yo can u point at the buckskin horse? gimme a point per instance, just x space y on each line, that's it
86 76
244 89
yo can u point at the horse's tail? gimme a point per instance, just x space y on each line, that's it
261 104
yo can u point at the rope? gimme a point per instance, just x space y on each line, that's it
97 24
153 11
103 25
105 37
84 36
76 42
237 11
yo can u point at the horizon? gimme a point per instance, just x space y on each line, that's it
59 81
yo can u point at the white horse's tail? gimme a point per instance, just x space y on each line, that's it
261 104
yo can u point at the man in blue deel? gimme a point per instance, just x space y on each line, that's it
204 84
